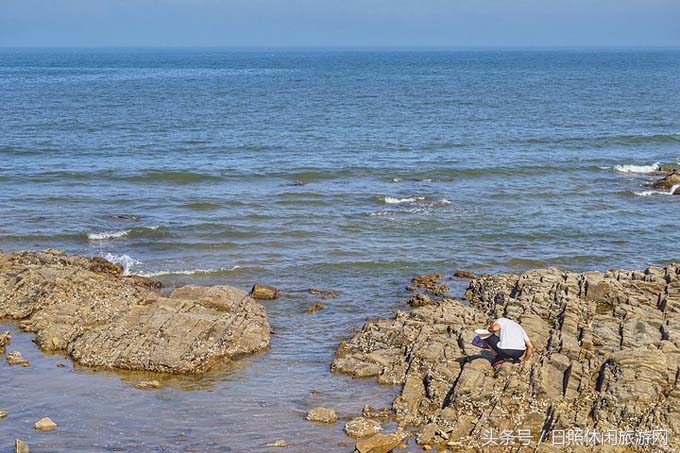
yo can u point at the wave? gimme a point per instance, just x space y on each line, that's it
173 177
204 272
392 200
638 168
202 206
125 260
649 193
108 235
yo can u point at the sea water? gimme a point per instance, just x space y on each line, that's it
350 170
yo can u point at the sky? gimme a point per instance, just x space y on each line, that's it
341 23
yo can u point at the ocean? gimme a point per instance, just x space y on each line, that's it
348 170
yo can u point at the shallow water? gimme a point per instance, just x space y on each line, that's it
343 170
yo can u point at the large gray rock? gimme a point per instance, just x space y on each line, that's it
607 357
91 312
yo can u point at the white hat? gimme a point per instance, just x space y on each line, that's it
483 333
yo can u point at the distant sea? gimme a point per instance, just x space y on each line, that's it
346 170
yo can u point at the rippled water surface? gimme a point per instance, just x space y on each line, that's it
343 170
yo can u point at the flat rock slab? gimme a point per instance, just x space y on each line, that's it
91 312
607 358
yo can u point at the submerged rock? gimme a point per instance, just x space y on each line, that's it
322 415
145 385
324 293
15 358
3 414
21 447
607 357
103 319
264 292
277 443
314 308
45 424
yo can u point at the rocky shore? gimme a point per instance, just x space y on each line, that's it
607 358
88 310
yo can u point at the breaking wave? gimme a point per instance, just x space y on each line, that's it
125 260
392 200
638 168
108 235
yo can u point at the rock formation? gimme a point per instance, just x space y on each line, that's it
85 308
607 358
671 180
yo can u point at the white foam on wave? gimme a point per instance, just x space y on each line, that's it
649 193
107 235
188 272
638 168
125 260
392 200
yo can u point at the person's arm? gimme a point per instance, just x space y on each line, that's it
530 349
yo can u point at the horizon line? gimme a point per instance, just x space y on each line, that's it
348 47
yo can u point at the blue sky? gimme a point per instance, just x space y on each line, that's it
340 23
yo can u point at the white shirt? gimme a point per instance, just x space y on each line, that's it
512 335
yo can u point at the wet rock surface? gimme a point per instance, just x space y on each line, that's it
88 310
607 357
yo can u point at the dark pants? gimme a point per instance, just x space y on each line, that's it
503 354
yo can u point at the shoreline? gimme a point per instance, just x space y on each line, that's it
414 408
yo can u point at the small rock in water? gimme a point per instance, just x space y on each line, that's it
21 447
264 292
5 339
464 274
45 424
144 385
278 443
3 414
362 427
315 307
15 358
322 415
